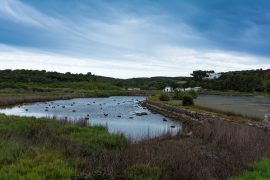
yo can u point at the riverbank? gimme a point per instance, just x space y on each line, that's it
14 97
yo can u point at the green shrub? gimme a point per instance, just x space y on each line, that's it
260 170
164 97
139 172
187 100
178 95
41 164
194 94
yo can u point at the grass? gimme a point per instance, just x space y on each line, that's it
139 172
226 114
259 171
33 148
236 93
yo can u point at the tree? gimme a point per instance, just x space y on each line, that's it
199 75
187 100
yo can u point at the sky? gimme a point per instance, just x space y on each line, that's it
138 38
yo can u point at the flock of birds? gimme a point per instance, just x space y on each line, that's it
54 106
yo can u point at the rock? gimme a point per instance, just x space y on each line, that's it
164 119
26 109
86 118
189 134
119 116
46 110
142 114
172 126
73 110
131 117
63 106
106 114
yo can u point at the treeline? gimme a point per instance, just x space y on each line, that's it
28 76
244 81
38 80
31 78
153 83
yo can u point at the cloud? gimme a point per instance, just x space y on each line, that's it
166 61
17 11
124 39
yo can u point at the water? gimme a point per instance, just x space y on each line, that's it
253 106
121 115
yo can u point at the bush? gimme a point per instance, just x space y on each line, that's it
178 95
138 172
187 100
193 94
164 97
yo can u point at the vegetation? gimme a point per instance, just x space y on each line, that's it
243 81
178 95
164 97
38 80
139 172
47 149
187 100
260 170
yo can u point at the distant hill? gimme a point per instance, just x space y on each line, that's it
35 78
244 81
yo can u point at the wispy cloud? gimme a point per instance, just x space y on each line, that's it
17 11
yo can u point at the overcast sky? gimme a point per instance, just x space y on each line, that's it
138 38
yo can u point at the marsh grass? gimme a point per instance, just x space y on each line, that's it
260 170
33 148
216 150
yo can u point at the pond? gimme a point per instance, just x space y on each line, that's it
253 106
119 114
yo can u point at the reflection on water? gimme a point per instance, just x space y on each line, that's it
245 105
119 114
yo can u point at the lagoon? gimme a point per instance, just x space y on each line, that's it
120 114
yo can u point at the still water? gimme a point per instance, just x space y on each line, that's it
253 106
118 114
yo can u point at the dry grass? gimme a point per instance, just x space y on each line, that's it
14 100
215 151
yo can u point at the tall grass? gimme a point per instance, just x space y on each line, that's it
33 148
216 150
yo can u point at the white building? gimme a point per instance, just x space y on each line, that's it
213 76
189 89
168 89
134 89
